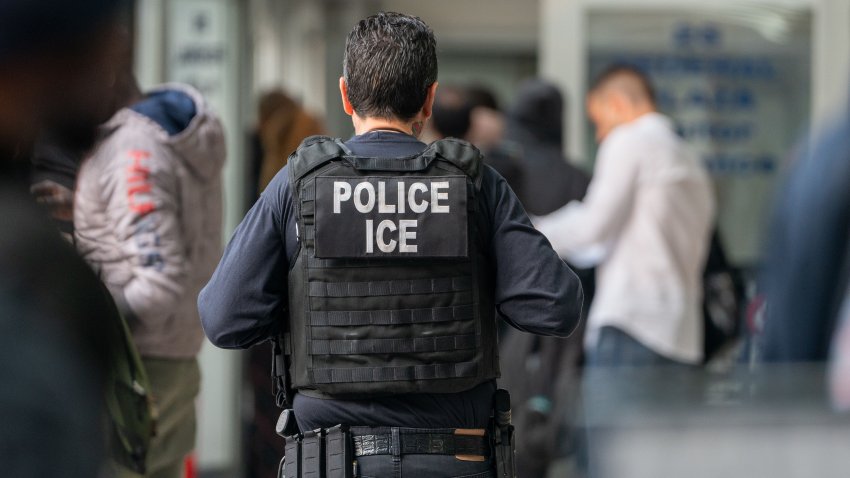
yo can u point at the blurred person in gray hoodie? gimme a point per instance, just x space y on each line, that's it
148 218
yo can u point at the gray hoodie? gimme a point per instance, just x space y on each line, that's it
148 215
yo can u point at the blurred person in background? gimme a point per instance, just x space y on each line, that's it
646 221
56 61
148 218
807 270
272 281
471 113
53 181
487 121
54 167
543 372
808 257
535 126
452 116
283 124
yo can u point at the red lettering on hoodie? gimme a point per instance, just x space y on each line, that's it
138 182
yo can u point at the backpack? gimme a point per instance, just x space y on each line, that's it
132 417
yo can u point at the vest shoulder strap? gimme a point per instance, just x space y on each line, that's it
314 152
317 151
462 154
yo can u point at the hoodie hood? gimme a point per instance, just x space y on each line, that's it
537 111
191 129
535 126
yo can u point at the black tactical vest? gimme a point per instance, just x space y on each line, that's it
391 291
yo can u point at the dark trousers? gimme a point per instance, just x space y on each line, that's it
422 466
616 348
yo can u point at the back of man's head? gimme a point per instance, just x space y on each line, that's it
619 95
390 62
538 110
626 79
452 112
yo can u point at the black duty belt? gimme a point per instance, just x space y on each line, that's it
380 441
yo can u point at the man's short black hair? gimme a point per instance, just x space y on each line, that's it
620 70
390 62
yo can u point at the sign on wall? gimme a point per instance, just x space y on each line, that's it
197 47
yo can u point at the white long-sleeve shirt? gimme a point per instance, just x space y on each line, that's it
646 222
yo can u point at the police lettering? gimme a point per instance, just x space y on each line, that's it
388 235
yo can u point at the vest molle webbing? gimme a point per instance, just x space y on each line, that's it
391 291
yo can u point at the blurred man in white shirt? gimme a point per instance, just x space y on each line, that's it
646 222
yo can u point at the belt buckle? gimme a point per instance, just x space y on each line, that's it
470 432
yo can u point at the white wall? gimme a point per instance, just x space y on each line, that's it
831 75
491 24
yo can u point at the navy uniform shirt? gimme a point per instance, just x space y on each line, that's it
246 296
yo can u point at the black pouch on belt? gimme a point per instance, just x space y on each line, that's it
325 453
339 452
312 455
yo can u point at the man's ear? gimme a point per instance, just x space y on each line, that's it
343 92
428 107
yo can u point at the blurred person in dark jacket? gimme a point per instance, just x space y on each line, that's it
56 61
452 112
471 113
806 275
544 372
535 124
541 372
806 270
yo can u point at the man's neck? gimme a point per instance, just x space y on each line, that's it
366 125
641 111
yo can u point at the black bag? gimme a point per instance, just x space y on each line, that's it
723 301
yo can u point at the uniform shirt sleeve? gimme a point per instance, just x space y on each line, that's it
583 232
244 302
535 290
144 207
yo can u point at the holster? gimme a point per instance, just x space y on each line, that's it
323 453
281 382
